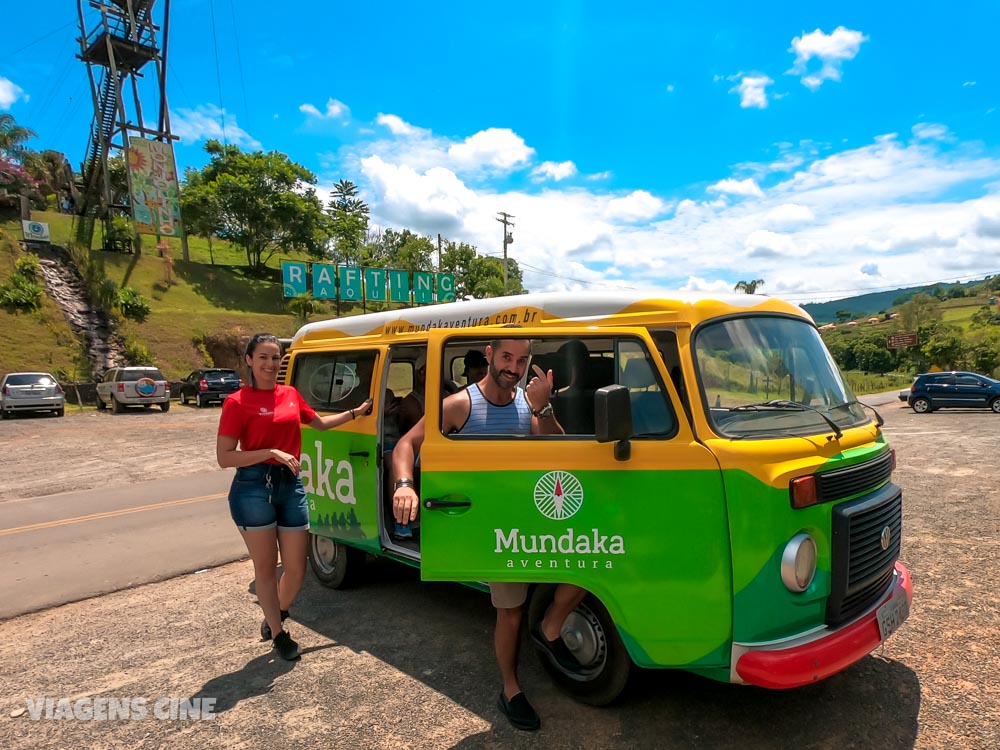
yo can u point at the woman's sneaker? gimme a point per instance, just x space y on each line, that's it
265 629
286 647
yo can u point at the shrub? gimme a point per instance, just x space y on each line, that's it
136 353
28 266
20 294
132 304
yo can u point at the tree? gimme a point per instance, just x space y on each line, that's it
748 287
844 315
479 276
945 347
200 208
265 203
12 138
920 311
50 170
348 223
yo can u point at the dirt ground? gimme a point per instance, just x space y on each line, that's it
400 663
100 448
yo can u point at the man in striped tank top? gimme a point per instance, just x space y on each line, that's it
497 405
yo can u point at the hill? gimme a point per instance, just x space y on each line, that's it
190 302
869 304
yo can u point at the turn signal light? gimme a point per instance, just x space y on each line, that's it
803 491
203 385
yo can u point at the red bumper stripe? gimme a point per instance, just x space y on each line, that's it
801 665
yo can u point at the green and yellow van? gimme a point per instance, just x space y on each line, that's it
721 494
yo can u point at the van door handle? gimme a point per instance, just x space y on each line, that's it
433 504
358 454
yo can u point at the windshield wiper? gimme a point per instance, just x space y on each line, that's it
878 417
781 403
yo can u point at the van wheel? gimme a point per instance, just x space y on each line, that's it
101 406
116 406
336 565
592 637
165 406
921 405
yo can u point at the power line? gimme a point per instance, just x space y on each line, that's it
891 288
218 73
239 65
39 39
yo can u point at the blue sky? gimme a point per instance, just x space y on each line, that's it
828 149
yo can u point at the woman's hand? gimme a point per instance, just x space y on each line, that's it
365 408
286 459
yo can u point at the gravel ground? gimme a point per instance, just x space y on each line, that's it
399 663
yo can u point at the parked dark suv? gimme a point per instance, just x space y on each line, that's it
965 390
205 386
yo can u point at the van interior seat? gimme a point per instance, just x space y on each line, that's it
650 415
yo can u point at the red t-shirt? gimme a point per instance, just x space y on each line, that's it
266 419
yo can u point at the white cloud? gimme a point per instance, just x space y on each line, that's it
831 50
10 92
600 175
752 90
736 187
789 214
335 110
870 269
636 206
205 122
932 131
968 83
501 148
398 126
554 170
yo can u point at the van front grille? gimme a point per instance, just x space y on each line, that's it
854 480
866 543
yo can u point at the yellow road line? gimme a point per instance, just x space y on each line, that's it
110 514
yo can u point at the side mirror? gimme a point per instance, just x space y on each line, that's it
613 416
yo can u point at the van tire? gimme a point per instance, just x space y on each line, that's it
165 406
335 564
607 678
101 406
116 406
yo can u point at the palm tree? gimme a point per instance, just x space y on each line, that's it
12 137
748 287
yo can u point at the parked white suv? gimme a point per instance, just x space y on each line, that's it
30 391
133 386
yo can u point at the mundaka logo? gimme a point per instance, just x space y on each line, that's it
558 495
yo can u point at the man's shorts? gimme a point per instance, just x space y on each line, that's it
508 595
265 496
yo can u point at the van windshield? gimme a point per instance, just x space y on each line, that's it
765 377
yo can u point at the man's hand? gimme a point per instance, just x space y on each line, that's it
405 504
539 388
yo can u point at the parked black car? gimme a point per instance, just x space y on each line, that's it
207 386
964 390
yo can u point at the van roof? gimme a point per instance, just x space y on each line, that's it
595 308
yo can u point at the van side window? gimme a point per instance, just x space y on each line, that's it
651 411
334 381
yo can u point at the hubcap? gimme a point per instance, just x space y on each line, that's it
325 554
585 638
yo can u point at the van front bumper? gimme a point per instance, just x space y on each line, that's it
790 664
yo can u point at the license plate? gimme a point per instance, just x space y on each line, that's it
891 615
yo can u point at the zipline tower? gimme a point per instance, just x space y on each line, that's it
117 45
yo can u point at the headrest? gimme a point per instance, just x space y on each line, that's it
638 374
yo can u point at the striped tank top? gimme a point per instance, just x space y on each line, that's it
487 418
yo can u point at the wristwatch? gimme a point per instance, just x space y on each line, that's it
544 413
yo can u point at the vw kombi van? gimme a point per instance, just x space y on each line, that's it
719 491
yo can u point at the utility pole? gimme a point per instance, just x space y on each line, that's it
439 252
505 219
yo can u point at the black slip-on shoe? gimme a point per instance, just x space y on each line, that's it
286 647
519 712
556 651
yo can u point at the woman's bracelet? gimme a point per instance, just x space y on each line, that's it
352 414
402 483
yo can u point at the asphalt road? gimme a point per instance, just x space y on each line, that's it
66 547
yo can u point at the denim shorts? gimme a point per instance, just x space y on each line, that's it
265 496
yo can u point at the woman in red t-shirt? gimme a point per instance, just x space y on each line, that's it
260 435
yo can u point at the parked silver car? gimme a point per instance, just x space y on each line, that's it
31 391
133 386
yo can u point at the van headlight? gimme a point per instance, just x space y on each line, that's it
798 563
